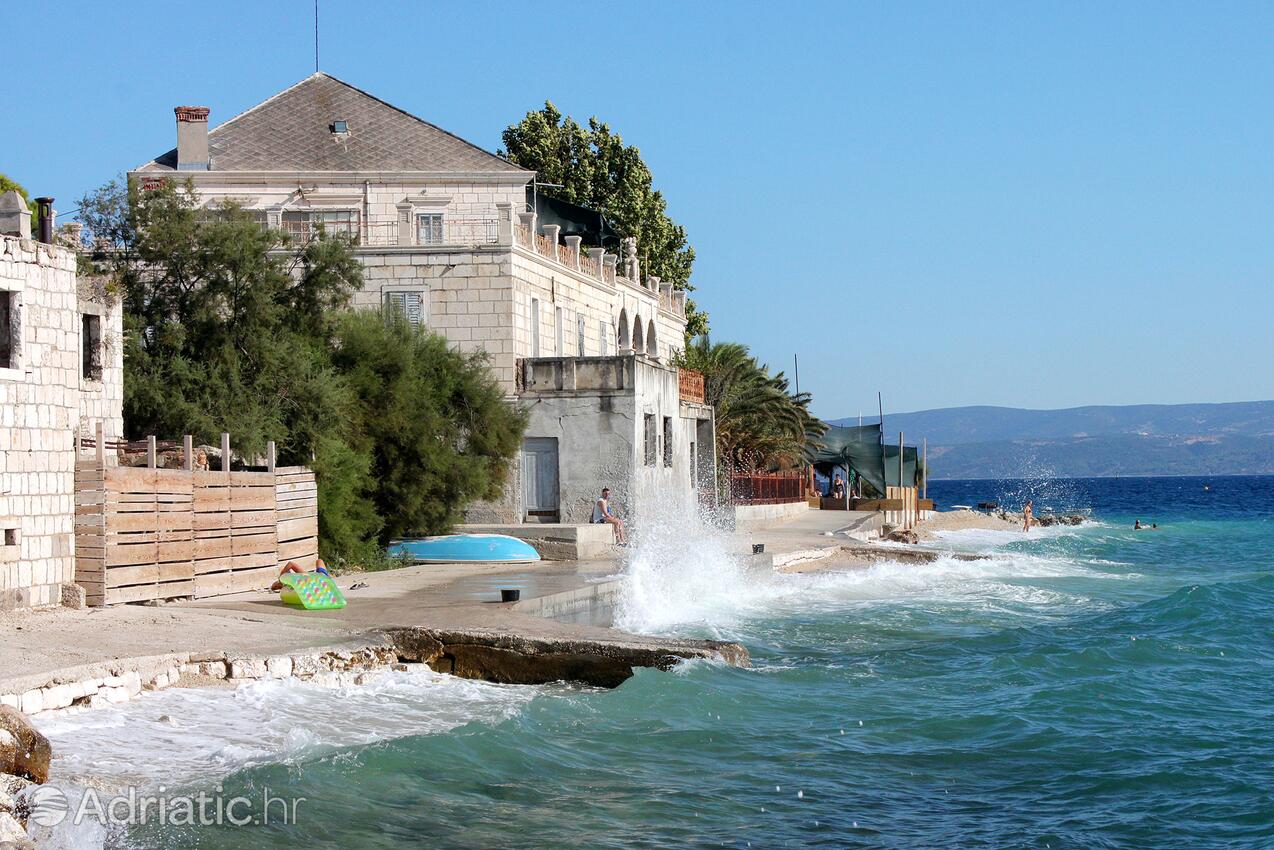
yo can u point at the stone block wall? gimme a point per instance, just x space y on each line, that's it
42 401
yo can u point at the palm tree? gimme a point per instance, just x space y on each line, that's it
760 423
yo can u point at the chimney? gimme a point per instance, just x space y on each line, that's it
45 207
15 216
192 138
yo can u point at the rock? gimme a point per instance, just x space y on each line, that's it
248 668
73 596
32 702
305 666
279 667
29 752
903 536
214 669
12 835
57 696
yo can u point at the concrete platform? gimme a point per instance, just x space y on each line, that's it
556 541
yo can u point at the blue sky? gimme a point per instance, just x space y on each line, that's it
1021 204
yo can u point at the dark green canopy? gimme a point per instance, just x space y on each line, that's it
859 449
910 459
856 448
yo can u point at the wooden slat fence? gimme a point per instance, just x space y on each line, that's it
143 533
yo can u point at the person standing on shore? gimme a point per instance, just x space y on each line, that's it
602 513
1027 515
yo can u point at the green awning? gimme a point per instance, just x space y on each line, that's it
858 448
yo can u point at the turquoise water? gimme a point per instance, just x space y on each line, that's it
1086 687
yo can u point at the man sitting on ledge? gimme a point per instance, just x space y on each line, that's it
602 513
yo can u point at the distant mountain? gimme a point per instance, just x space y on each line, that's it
1145 439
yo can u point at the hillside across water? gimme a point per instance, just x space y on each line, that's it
1146 439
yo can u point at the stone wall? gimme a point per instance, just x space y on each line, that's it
43 400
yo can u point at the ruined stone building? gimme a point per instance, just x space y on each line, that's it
443 229
61 373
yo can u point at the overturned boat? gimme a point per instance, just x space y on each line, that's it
465 548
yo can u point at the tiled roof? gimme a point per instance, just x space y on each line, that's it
292 131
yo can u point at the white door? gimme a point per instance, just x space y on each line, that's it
539 474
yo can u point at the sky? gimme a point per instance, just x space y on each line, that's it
1033 205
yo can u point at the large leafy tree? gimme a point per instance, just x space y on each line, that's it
231 327
434 420
596 169
760 423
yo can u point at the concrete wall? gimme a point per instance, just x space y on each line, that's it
749 517
43 402
596 409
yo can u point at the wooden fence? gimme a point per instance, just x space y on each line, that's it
143 533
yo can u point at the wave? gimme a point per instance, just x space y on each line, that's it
687 580
206 733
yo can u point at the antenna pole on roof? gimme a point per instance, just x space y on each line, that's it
316 37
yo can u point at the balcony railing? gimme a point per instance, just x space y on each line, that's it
596 264
390 232
768 489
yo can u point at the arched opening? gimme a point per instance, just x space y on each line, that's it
623 330
639 343
652 347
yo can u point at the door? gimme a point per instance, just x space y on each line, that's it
539 477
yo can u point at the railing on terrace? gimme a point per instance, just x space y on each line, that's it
389 232
690 385
767 489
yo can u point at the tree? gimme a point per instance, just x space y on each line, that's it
225 323
434 421
597 170
760 423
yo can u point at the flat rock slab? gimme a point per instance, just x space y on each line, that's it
518 659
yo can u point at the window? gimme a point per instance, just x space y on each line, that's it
91 347
603 334
652 439
667 441
340 126
305 224
8 329
429 229
579 331
10 537
535 327
558 330
410 304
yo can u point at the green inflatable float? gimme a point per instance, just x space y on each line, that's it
311 591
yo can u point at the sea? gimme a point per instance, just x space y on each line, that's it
1084 687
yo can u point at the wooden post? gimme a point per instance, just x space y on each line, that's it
225 452
188 450
269 456
101 445
925 474
901 484
151 458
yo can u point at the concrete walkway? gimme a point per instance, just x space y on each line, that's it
436 596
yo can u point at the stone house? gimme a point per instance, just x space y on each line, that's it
444 232
61 373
